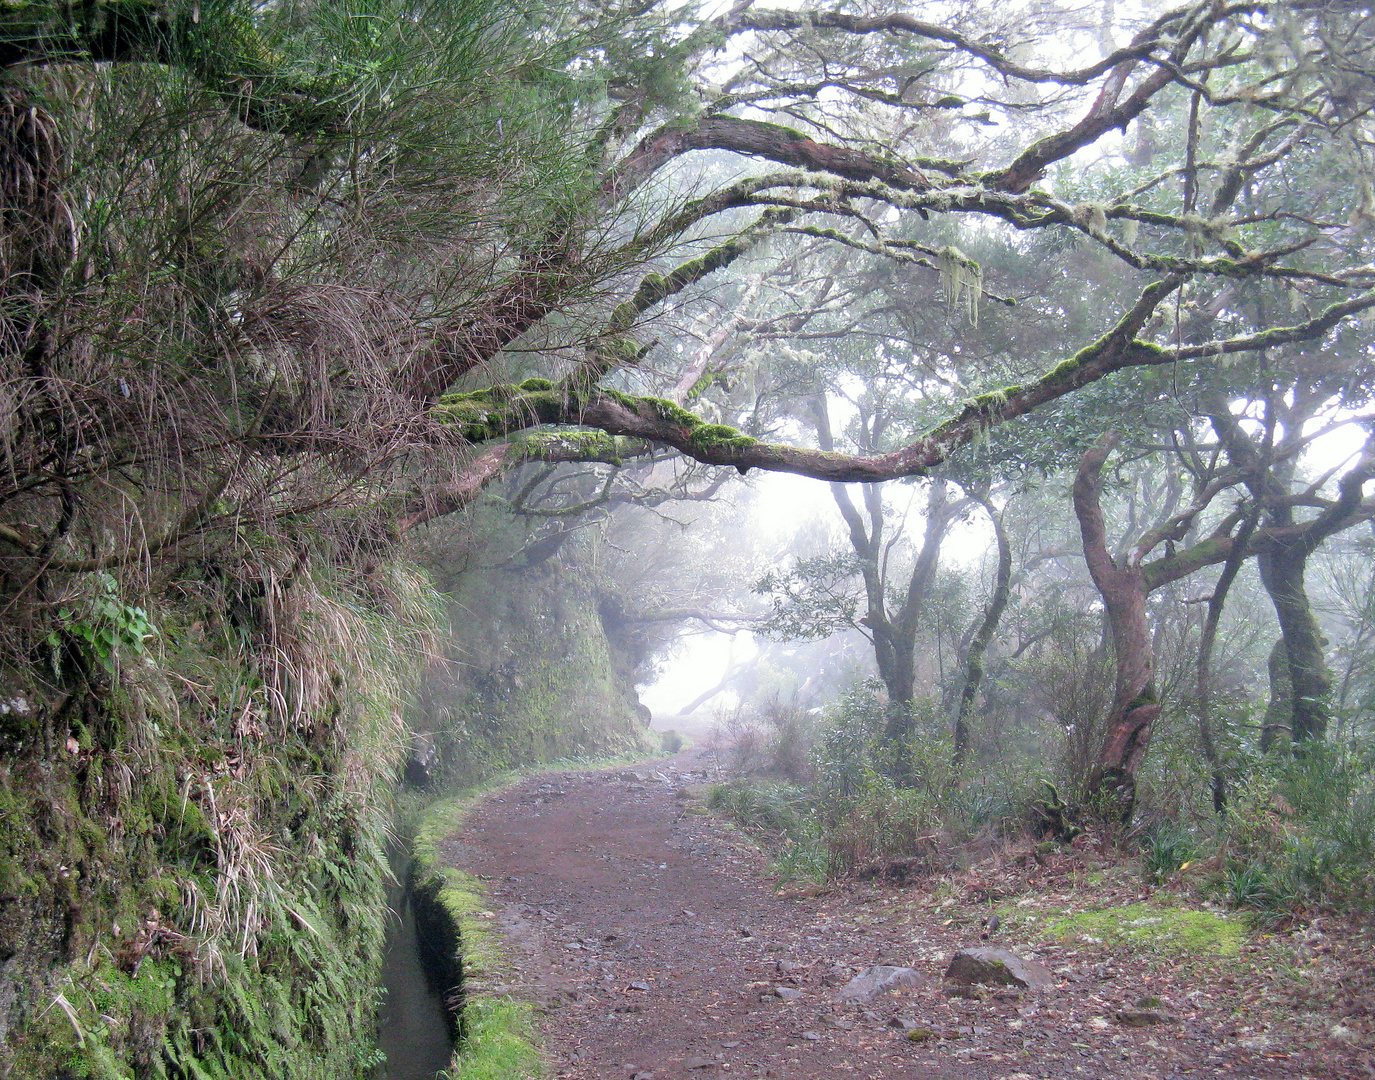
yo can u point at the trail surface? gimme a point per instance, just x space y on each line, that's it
655 947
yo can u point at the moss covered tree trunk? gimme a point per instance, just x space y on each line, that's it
1277 724
1310 680
1135 706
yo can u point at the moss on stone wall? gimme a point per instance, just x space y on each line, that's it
191 879
528 673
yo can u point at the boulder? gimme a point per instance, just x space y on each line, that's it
870 983
970 966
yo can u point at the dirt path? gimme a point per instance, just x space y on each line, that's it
656 947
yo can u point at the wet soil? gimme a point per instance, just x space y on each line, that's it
656 946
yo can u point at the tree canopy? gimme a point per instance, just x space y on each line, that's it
324 272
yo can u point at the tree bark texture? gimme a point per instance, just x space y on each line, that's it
1277 724
1135 706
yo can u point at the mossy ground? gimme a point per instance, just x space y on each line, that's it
1198 931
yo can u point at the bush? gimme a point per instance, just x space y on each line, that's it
1300 834
779 809
884 825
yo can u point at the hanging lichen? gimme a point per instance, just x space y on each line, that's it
1093 216
1130 228
962 279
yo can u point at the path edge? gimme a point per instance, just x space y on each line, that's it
496 1036
496 1030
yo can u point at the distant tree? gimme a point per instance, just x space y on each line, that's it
291 265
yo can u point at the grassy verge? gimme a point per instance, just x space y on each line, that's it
496 1031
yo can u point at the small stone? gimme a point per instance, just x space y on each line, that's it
970 966
1142 1017
878 980
903 1023
787 993
811 1036
638 986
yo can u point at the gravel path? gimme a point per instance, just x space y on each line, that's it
655 947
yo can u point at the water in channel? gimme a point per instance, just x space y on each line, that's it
414 1031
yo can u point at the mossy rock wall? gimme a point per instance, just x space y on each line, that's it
192 883
528 673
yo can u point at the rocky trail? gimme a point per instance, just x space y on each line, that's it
656 947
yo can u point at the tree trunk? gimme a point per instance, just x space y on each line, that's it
1310 680
1127 730
901 681
978 645
1206 736
1278 724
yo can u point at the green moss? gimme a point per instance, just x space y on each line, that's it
668 410
991 403
720 436
1184 930
137 832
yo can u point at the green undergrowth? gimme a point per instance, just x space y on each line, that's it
194 877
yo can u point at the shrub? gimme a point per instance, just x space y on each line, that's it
1300 834
1168 847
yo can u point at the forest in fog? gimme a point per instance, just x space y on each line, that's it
391 386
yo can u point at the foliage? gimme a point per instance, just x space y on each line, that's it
815 598
1301 835
1167 848
217 822
101 627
